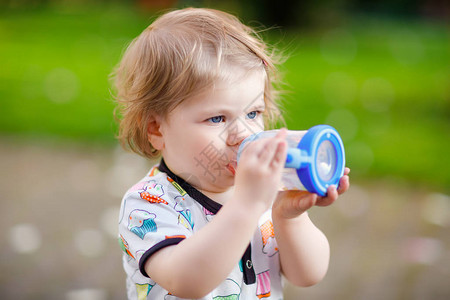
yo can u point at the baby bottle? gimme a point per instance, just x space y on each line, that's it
315 158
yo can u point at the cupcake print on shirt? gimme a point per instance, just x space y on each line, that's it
141 222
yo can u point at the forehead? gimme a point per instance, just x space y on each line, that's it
244 89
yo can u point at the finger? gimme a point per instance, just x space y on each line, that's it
279 158
305 201
344 184
346 171
253 149
268 150
280 154
281 133
274 152
331 196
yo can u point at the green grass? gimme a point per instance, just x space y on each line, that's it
386 90
55 80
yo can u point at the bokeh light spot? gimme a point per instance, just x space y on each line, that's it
421 250
25 238
109 221
86 294
61 85
436 209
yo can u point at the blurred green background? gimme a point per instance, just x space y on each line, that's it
377 72
382 81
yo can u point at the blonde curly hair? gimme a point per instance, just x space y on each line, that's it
182 53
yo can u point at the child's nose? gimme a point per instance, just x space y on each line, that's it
237 132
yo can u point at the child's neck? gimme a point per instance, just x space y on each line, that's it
219 197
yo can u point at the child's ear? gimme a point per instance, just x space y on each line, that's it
154 134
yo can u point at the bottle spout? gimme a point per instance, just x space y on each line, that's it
295 158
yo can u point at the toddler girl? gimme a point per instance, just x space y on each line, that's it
190 88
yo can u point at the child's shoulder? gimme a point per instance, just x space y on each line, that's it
156 187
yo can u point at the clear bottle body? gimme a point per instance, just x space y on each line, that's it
315 158
289 179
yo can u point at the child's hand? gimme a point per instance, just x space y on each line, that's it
258 175
290 204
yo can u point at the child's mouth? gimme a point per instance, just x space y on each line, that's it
231 166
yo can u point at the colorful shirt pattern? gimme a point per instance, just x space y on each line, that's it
161 210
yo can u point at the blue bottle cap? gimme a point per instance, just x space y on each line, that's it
325 161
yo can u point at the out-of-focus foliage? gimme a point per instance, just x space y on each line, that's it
383 82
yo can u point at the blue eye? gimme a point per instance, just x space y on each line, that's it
216 119
252 115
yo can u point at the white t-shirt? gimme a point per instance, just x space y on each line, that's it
161 210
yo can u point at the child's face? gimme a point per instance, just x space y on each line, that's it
201 136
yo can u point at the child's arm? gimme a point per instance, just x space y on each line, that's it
201 262
304 249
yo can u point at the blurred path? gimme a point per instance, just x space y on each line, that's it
59 208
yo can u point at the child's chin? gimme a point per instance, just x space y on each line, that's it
226 181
